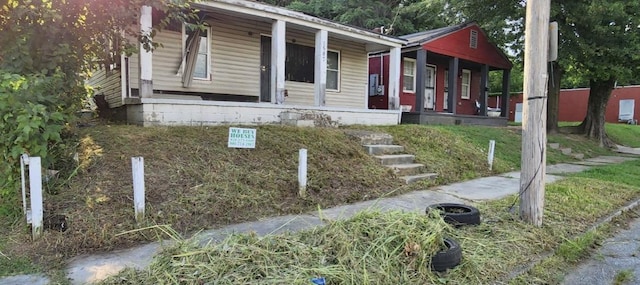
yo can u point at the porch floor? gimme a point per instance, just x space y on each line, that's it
437 118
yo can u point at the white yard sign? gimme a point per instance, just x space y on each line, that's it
242 138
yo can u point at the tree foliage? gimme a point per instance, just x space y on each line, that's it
47 48
398 17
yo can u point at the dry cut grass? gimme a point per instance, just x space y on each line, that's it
369 248
193 181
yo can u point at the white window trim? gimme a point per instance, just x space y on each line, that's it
339 69
445 99
464 87
184 46
414 75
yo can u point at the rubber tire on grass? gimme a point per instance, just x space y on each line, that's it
465 214
448 258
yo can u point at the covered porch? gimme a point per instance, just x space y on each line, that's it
452 67
251 50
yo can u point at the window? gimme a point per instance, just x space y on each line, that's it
333 70
409 75
201 68
300 65
473 39
466 84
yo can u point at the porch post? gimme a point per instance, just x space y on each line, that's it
453 84
320 72
484 75
506 82
421 66
146 56
394 78
278 55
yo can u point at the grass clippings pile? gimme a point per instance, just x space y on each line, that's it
369 248
194 181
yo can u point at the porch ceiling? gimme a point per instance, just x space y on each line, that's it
267 14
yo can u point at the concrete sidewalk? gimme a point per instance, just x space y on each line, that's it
88 269
617 254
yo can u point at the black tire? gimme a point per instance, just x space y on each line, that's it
448 258
457 214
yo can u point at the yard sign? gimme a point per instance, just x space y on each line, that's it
242 138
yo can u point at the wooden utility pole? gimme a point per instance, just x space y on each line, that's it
534 138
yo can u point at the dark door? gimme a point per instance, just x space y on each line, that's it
265 69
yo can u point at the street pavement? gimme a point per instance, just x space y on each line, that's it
92 268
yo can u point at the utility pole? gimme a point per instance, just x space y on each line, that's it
534 137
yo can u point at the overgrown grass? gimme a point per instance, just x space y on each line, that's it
366 249
195 182
624 134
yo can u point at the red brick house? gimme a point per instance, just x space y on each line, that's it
443 72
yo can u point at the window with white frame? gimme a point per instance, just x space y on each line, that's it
333 70
201 68
409 75
465 93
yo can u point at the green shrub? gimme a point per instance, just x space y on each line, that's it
31 120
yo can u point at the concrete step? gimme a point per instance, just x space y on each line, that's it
566 151
389 159
370 138
409 179
578 155
383 149
554 145
407 169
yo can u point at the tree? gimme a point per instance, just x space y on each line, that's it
398 17
604 40
598 46
47 48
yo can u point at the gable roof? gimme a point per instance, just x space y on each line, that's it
426 36
437 38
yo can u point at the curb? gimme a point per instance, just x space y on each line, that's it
628 207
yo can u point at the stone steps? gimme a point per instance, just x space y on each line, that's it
566 150
390 159
381 147
409 179
378 149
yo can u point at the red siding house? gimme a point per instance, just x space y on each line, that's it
443 73
623 105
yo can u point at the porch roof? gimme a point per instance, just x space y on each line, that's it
374 41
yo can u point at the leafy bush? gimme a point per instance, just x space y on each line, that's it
31 119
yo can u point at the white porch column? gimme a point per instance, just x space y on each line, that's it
394 78
320 72
146 58
278 55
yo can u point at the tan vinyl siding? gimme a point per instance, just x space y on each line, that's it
235 64
235 59
353 74
107 85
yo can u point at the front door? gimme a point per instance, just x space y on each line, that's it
429 87
265 69
445 101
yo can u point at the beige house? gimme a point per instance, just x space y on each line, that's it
254 63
